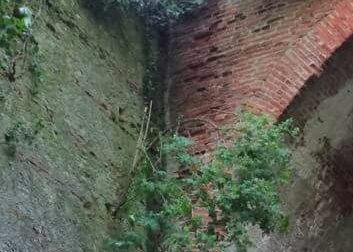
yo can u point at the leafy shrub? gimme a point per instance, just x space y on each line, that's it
239 187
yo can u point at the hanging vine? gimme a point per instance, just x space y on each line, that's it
18 46
156 13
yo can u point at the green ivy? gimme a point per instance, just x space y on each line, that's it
239 187
19 49
158 13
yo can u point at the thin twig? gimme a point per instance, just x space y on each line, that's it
160 146
149 159
209 122
142 146
23 52
138 145
148 122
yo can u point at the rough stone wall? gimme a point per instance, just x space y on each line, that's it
256 54
56 190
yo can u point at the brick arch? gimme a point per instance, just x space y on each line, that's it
289 74
255 53
335 76
323 155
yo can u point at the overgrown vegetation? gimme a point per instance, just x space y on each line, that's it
158 13
238 188
18 47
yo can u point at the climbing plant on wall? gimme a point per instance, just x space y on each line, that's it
238 188
18 46
158 13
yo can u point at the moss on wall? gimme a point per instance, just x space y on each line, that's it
75 135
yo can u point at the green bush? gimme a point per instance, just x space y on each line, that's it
239 187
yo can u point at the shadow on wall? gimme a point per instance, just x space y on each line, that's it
320 199
336 71
115 20
340 174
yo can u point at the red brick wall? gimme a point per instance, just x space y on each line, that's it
255 53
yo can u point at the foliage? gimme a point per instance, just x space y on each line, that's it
239 187
12 26
158 13
17 41
21 133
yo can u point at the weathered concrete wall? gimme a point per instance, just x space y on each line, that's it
55 190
